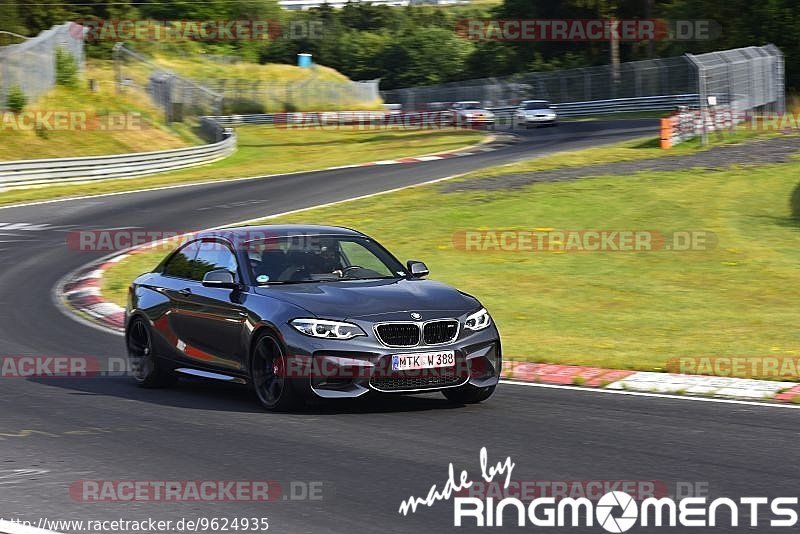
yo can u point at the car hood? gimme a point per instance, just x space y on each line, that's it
538 111
354 299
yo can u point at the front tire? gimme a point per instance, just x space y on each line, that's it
268 373
468 394
147 368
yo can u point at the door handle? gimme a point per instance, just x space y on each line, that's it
185 292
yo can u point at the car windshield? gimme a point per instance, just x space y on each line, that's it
469 105
536 104
320 258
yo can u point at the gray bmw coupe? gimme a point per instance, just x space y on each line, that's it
297 311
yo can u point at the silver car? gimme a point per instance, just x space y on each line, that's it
471 112
535 113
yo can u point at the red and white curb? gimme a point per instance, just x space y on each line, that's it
80 291
81 294
650 382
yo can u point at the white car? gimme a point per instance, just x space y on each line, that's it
471 112
535 113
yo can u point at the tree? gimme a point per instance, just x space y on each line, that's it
427 56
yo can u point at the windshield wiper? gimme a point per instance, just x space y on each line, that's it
286 282
374 278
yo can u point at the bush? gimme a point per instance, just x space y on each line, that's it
242 107
16 99
66 68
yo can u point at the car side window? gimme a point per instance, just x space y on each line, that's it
214 255
180 265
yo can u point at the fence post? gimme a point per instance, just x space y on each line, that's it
701 94
115 54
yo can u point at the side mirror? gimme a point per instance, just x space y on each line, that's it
417 268
220 278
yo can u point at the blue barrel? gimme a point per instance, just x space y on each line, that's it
304 60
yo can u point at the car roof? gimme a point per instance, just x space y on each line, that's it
266 231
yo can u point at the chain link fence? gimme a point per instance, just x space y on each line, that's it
751 78
744 79
31 64
183 99
314 93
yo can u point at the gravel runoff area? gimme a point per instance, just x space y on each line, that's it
774 150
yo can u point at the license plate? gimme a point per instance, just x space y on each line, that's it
423 360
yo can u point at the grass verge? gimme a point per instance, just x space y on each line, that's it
630 310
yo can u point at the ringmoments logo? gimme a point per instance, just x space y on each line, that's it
615 511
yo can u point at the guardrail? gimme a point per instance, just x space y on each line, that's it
503 113
39 171
616 105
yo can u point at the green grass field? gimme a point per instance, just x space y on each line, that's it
632 310
264 150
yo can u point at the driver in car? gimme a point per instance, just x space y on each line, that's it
330 262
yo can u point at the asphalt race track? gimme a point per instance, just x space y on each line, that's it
369 456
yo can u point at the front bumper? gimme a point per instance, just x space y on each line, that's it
537 120
346 369
485 120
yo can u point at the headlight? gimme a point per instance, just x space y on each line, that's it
327 329
478 320
489 115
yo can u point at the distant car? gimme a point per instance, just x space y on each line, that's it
298 311
471 112
535 113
